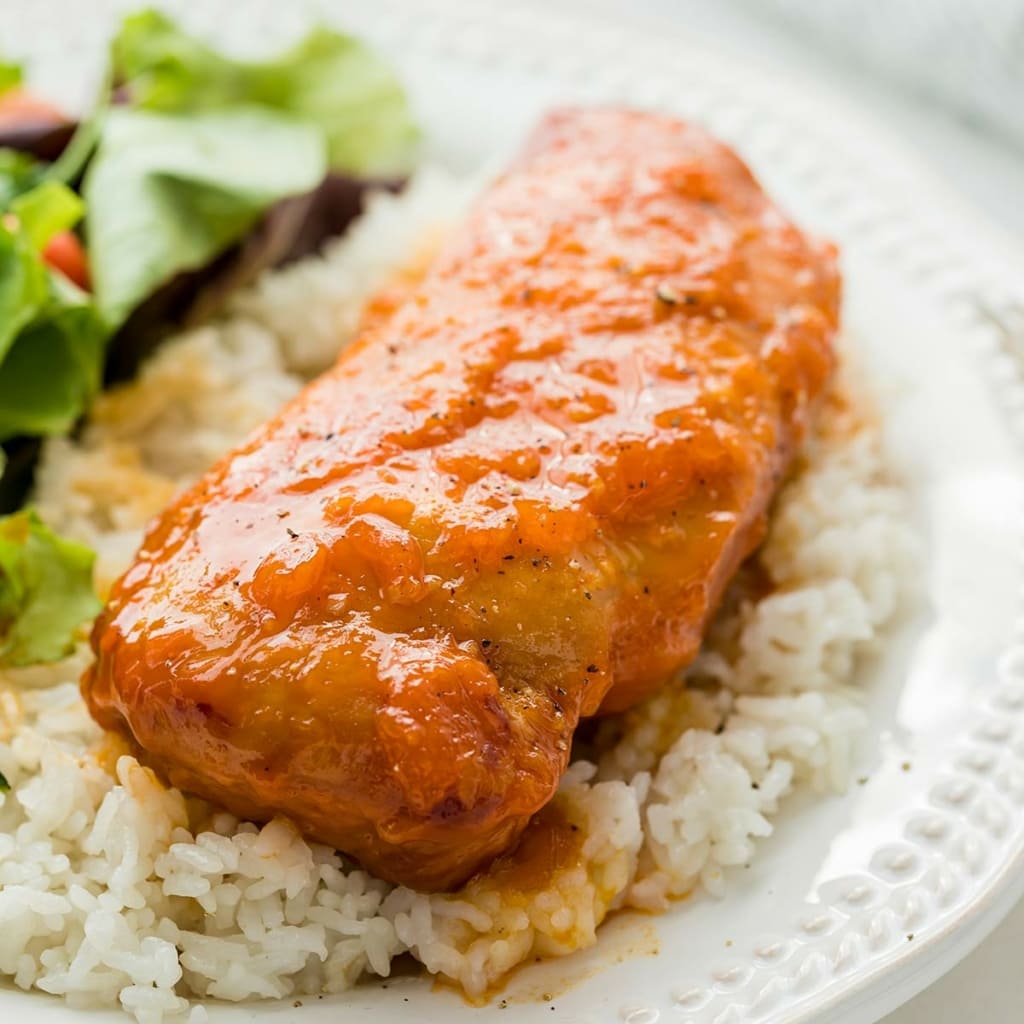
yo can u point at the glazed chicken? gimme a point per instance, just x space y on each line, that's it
514 502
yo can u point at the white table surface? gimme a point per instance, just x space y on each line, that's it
987 987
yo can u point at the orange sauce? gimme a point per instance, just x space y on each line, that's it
515 502
550 843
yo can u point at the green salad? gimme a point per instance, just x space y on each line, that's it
122 225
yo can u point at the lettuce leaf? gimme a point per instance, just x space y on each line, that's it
45 591
46 209
51 337
10 75
168 192
23 284
329 79
19 172
52 370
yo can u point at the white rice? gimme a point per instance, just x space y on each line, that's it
116 889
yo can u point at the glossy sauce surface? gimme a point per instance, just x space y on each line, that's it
515 501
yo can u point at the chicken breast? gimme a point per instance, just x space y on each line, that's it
514 502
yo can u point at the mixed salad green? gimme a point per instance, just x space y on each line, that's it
45 591
163 195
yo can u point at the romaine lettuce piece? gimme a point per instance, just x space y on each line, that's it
46 591
51 335
330 79
168 192
10 75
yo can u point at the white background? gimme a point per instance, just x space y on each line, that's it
988 987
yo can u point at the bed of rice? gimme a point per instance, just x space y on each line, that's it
116 889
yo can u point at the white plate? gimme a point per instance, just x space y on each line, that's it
856 903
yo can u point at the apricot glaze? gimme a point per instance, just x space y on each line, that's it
514 502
